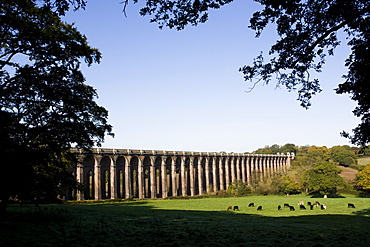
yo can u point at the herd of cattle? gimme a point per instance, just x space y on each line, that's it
291 208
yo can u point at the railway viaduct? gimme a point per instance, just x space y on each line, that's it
125 173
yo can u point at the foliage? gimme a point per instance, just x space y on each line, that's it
323 178
274 149
363 178
308 33
289 185
45 106
238 188
343 155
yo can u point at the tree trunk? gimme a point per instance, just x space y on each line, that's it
3 205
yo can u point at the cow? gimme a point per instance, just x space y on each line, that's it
311 207
236 208
279 207
323 206
351 205
302 207
316 204
229 207
251 204
300 203
259 208
309 203
286 205
291 208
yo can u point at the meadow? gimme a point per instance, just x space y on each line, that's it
190 222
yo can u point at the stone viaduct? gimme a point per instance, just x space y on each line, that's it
124 173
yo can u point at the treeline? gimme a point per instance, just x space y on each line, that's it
315 171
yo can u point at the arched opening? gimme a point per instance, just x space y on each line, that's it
105 183
134 177
178 178
202 171
210 175
196 176
187 176
120 175
146 175
216 175
88 179
168 176
158 177
223 177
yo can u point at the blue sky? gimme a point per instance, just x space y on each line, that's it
181 90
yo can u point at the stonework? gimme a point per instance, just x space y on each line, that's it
125 173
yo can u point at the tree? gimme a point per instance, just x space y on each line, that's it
289 185
308 33
363 178
343 155
45 107
323 178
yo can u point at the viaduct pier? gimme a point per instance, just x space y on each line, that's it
125 173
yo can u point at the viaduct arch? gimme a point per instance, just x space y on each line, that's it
125 173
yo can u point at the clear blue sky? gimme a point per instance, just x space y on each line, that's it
181 90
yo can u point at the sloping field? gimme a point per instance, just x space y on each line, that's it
348 174
364 161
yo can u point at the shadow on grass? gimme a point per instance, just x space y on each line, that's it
139 224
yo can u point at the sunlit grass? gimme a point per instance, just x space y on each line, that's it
195 222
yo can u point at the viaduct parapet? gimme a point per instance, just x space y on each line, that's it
125 173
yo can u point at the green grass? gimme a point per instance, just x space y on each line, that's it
363 161
196 222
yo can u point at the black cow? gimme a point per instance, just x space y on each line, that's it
279 207
251 204
311 207
323 206
236 208
259 208
286 205
351 205
291 208
302 207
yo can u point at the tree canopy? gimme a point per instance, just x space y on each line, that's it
363 178
308 33
45 106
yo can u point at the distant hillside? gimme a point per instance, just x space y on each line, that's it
364 161
348 173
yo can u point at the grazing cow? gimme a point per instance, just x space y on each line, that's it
259 208
351 205
236 208
291 208
323 206
302 207
316 204
229 207
251 204
279 207
300 203
309 203
286 205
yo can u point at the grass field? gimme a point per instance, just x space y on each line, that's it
195 222
364 161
